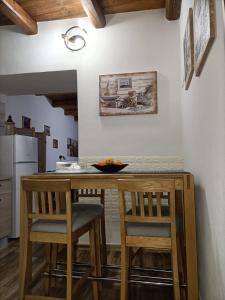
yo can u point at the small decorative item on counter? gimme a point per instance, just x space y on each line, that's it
110 165
69 167
9 126
62 157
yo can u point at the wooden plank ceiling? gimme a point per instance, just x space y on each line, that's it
48 10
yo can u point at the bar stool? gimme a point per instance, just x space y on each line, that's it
100 194
142 226
45 222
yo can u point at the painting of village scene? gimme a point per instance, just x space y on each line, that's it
204 31
128 94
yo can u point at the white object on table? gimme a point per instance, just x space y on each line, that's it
69 167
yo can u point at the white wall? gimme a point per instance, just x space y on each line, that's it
131 42
203 115
142 41
42 113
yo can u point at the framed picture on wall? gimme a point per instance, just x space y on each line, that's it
128 94
72 147
188 47
204 31
55 143
47 130
26 122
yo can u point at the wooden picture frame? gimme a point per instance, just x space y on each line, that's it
188 48
128 94
26 122
204 31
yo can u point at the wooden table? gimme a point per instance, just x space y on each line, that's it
184 184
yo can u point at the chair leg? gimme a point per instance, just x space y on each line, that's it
54 256
125 259
25 268
94 260
69 285
75 252
176 282
48 250
141 258
98 254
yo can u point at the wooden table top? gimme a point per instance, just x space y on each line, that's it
121 174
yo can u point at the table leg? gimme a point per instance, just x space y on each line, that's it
190 235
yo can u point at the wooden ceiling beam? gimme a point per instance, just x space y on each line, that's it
12 10
118 6
173 8
70 112
62 103
49 10
61 96
68 106
94 12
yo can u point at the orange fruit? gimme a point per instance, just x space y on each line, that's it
117 162
102 163
109 161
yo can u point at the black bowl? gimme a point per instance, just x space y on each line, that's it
110 168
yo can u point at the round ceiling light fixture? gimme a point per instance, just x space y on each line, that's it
74 38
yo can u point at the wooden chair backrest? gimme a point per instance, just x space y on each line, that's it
90 193
48 199
142 200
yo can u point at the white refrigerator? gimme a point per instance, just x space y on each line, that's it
18 157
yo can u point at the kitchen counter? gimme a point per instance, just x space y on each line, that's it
4 178
5 209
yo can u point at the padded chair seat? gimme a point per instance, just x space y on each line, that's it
82 215
148 230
